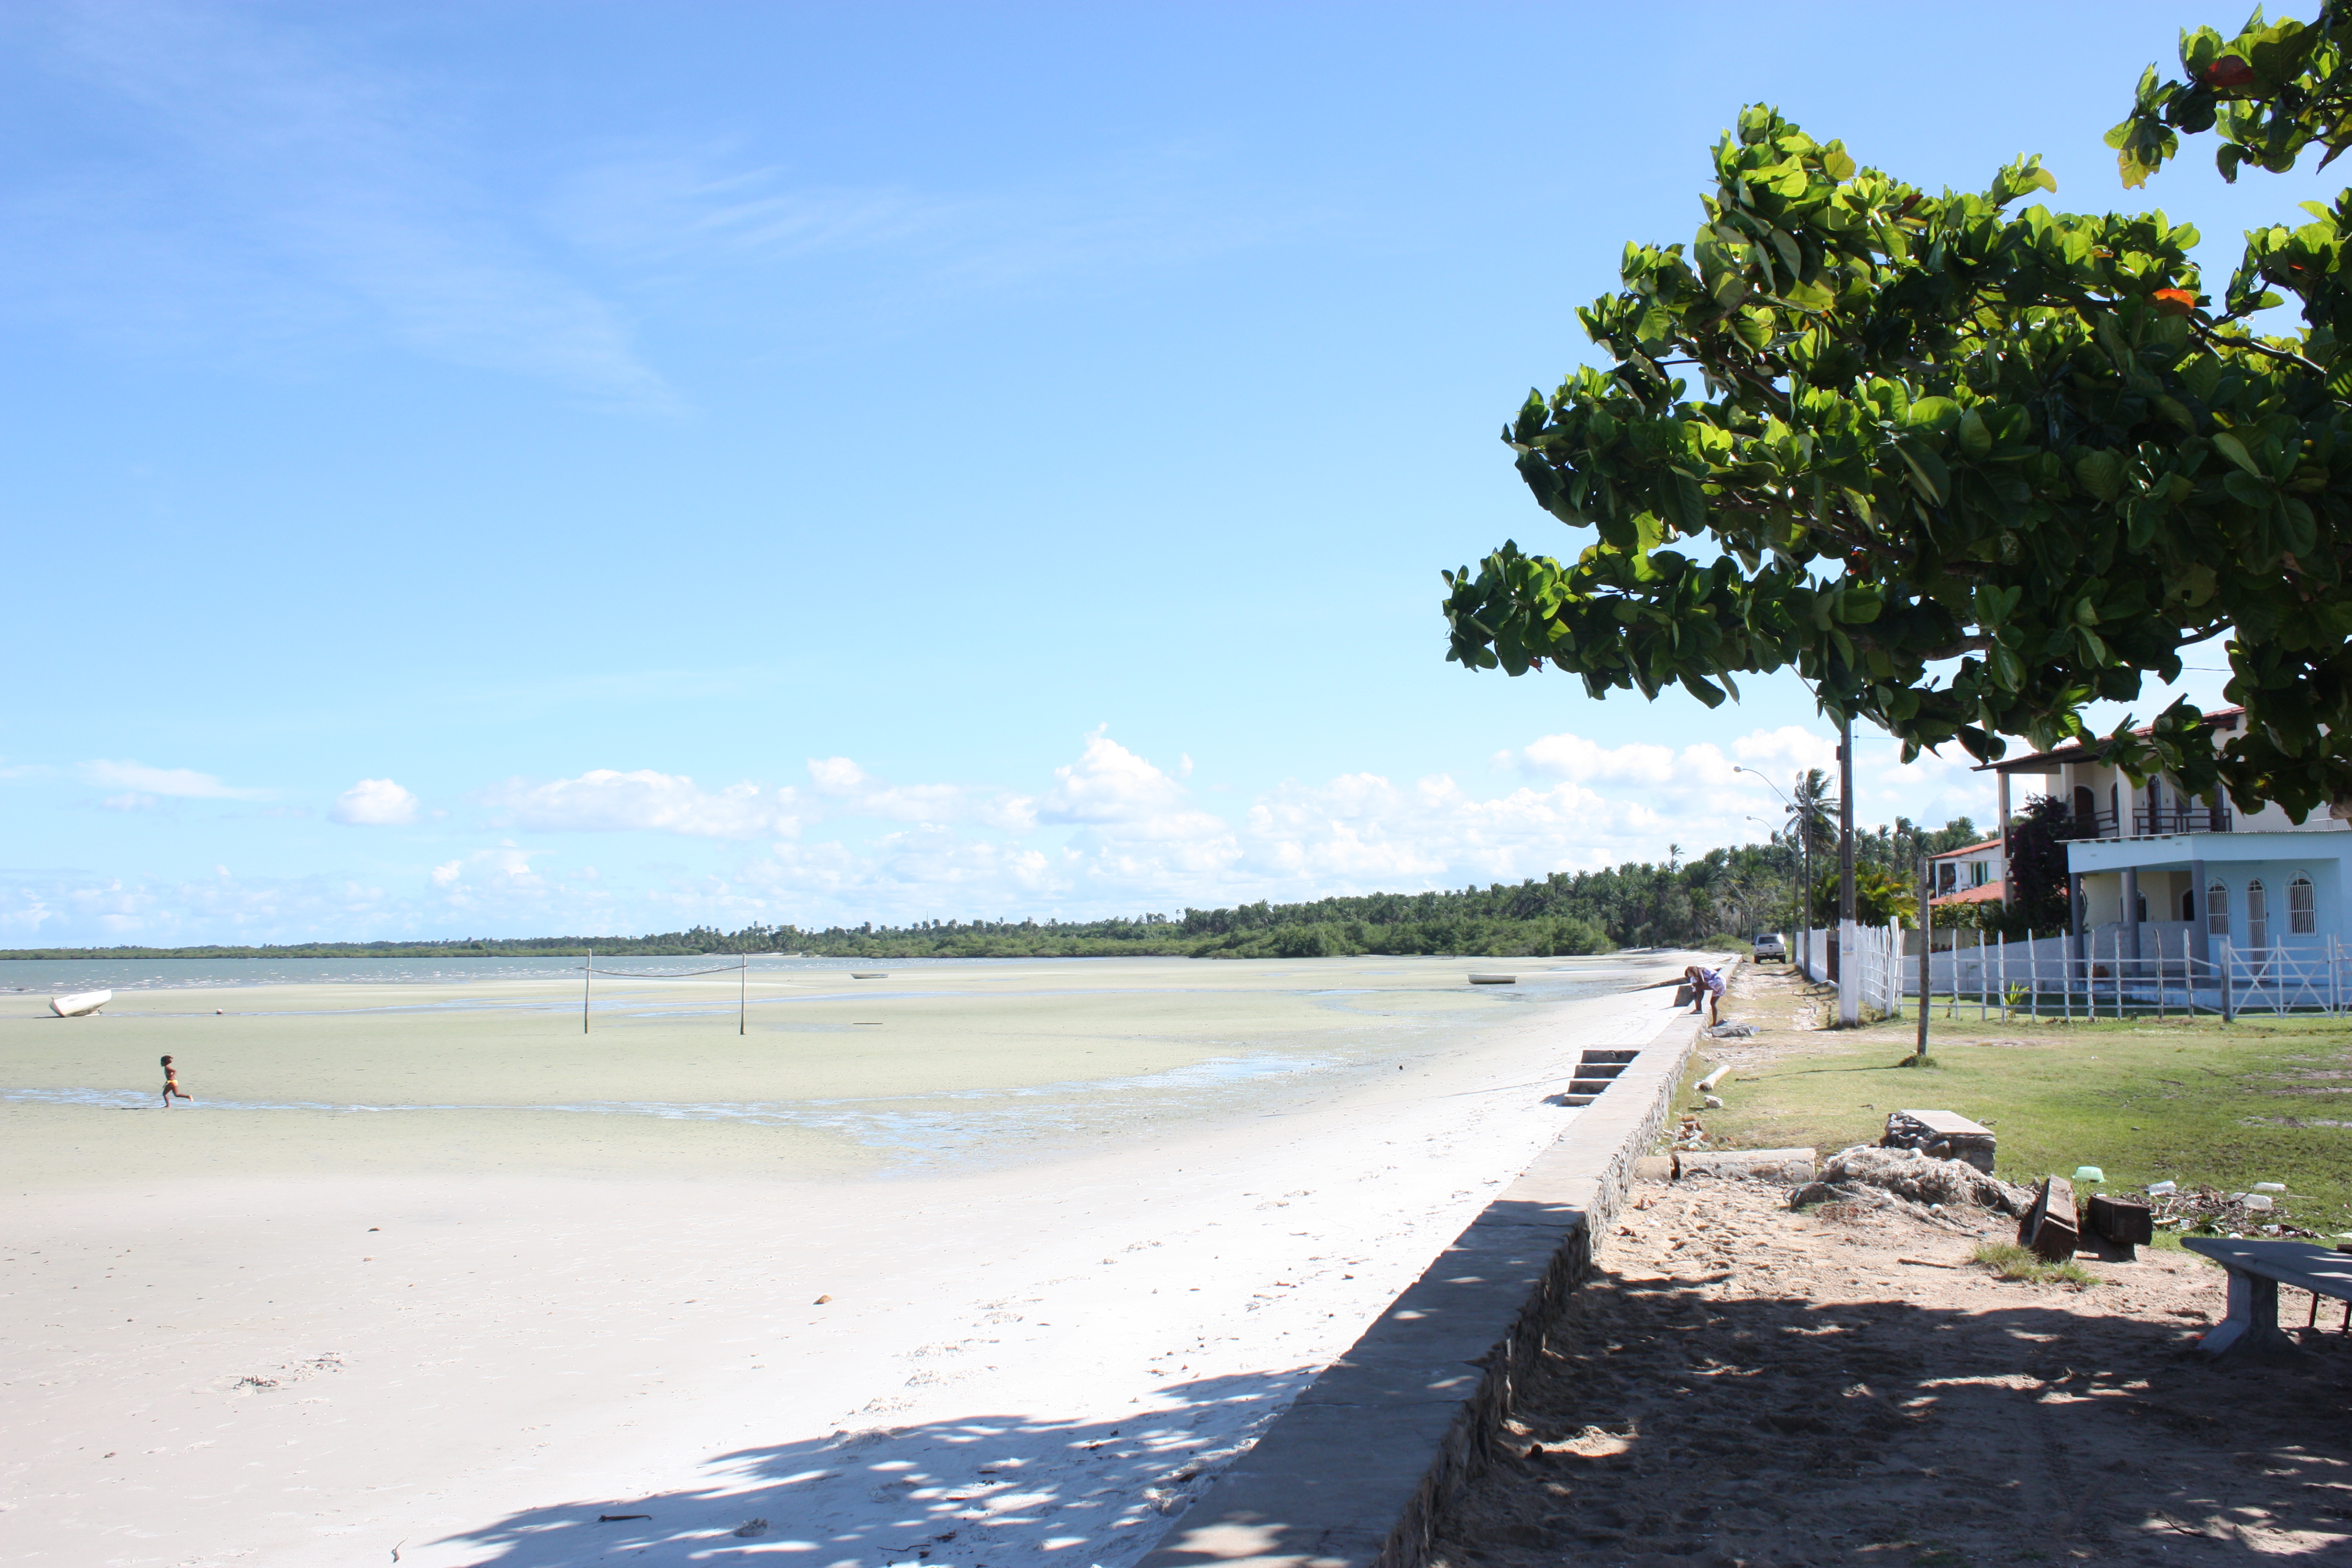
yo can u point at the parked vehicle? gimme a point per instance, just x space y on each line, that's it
1771 946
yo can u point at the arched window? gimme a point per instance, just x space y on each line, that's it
2302 910
2086 807
2258 916
2217 909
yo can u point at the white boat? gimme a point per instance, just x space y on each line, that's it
1494 980
870 974
80 1005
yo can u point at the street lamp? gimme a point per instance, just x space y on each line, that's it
1805 891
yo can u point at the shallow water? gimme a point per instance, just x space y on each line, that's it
791 1066
59 974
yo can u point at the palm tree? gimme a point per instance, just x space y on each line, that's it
1813 819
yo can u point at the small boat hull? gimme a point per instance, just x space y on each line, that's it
80 1005
870 974
1494 980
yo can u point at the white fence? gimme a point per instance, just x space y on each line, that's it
2109 972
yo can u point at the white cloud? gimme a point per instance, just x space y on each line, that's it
1109 783
604 801
375 803
852 789
1111 831
180 784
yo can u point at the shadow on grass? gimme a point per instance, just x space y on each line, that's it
993 1489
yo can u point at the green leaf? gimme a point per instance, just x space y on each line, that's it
1860 606
2229 446
1929 477
1975 439
2100 472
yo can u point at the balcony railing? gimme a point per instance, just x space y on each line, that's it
2183 817
2194 816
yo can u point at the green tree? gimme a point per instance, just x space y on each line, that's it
1948 427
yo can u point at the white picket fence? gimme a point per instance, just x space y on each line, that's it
1876 959
2096 975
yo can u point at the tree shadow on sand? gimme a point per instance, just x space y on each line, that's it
975 1492
1668 1421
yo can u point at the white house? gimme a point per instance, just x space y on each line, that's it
2155 867
1972 874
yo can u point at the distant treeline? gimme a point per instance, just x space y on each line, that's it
1723 893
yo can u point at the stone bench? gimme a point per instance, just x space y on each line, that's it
2257 1268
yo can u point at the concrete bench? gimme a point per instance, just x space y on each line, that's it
2257 1268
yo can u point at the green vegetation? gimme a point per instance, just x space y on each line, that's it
2198 1102
1724 895
2011 1261
1938 427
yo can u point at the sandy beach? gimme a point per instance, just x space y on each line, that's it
979 1265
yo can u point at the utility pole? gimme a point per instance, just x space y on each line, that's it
1846 819
1805 899
1849 982
1926 959
586 969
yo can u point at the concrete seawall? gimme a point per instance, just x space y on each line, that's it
1355 1473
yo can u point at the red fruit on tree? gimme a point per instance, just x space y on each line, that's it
2228 72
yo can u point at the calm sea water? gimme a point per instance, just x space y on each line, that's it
48 974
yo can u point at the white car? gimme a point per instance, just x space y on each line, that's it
1772 946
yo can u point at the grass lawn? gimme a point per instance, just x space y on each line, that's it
2195 1101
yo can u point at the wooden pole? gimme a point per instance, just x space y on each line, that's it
743 995
1927 959
586 969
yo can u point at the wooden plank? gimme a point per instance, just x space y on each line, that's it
2048 1228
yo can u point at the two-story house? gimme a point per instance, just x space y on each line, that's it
1972 874
2200 871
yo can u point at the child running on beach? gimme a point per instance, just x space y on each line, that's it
172 1085
1706 989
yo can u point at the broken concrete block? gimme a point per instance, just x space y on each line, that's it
1942 1135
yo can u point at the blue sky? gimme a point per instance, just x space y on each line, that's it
495 470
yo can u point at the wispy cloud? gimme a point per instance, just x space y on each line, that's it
261 184
375 803
603 800
145 787
691 220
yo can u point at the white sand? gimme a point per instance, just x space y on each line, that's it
1024 1363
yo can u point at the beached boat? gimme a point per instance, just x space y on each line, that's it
80 1005
870 974
1494 980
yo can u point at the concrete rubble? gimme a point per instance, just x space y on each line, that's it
1870 1175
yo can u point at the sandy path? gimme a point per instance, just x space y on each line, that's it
1745 1387
1025 1365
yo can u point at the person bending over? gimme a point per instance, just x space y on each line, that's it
1706 992
172 1084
